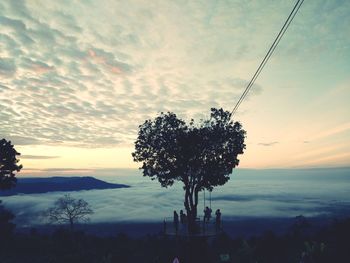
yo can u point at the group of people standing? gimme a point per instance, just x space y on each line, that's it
207 215
183 219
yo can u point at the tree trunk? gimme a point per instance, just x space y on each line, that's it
71 224
191 202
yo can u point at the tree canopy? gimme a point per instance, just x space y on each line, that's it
200 155
8 165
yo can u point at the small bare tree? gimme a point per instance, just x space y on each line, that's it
68 210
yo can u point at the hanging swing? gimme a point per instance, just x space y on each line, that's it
204 199
204 228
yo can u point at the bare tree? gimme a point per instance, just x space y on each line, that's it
68 210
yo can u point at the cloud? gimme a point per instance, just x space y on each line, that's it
38 67
7 67
81 86
268 143
38 157
72 78
15 24
108 60
237 198
20 140
344 127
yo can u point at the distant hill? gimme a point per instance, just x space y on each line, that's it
51 184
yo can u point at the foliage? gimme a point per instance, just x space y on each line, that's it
201 156
8 165
68 210
313 252
328 244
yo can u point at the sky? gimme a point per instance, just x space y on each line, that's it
77 78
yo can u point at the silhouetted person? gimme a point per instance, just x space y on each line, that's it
183 217
207 214
218 220
176 221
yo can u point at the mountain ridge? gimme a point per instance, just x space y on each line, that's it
31 185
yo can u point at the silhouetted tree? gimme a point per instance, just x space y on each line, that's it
201 156
68 210
8 165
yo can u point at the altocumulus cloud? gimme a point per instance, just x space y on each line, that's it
7 67
88 73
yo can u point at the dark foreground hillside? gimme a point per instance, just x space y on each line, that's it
329 244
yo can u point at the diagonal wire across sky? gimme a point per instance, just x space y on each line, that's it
269 53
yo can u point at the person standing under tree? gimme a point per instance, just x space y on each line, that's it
218 220
182 217
207 214
176 221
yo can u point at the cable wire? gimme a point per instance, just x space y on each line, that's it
269 53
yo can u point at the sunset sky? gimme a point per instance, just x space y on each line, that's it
78 77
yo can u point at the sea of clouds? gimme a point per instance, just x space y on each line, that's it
249 193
